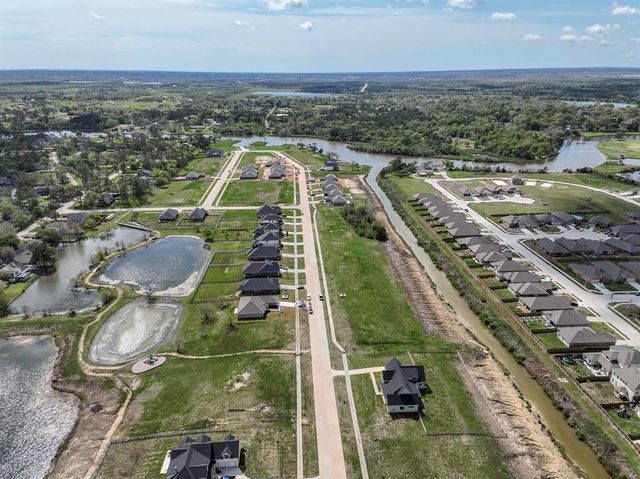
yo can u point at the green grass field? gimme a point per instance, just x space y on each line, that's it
629 147
179 193
257 192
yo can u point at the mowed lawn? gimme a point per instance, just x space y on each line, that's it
219 395
559 198
179 193
258 192
375 322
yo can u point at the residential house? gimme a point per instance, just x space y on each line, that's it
255 307
249 173
563 218
528 289
624 230
203 458
270 219
106 200
464 191
519 277
491 257
277 171
509 266
611 272
460 230
402 387
585 337
338 200
545 303
551 247
215 153
259 287
626 382
261 269
198 214
587 272
331 165
632 238
168 215
616 357
473 240
599 221
194 175
267 210
632 266
572 245
268 239
266 228
565 318
632 215
595 248
622 246
264 253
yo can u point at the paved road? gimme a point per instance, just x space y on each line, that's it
223 178
597 302
331 462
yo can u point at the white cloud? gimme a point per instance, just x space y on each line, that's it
625 10
285 4
504 17
531 37
243 24
465 4
598 29
567 29
306 26
636 39
96 16
569 38
628 54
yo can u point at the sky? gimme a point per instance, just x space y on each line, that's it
318 35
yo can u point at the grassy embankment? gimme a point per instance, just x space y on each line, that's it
618 457
375 322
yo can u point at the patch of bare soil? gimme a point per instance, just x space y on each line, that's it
529 450
354 186
98 407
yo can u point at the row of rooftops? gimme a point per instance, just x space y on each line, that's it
607 271
586 246
332 191
557 218
487 191
260 289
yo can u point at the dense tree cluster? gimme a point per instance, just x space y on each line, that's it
364 222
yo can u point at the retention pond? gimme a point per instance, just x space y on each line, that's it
135 329
170 266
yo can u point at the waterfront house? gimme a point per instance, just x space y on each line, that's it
168 215
565 318
626 382
585 337
198 214
259 287
264 253
255 307
616 357
106 200
261 269
402 387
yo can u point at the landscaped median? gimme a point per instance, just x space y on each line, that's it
618 456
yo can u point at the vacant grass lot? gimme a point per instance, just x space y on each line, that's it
257 192
630 148
178 193
190 394
558 198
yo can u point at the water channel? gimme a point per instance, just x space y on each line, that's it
55 293
553 419
35 418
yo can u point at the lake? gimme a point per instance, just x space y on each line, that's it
55 293
573 154
170 266
35 418
616 106
135 329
